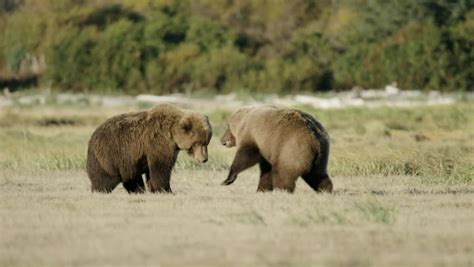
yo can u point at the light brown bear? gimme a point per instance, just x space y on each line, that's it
286 143
128 145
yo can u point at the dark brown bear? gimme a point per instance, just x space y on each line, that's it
286 143
128 145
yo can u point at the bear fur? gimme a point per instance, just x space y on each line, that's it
286 143
128 145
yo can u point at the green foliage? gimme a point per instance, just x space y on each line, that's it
208 35
411 42
17 42
119 57
259 46
72 59
411 57
219 68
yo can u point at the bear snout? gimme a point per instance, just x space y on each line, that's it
223 141
227 143
202 160
200 154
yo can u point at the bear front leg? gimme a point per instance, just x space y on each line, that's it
245 157
160 175
265 183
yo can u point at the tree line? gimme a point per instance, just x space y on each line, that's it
277 46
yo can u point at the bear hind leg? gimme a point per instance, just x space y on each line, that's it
104 184
101 180
325 185
319 182
265 183
135 185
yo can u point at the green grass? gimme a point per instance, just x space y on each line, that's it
374 211
433 144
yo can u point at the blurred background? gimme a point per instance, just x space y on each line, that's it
223 46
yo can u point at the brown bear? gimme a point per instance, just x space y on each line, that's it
286 143
128 145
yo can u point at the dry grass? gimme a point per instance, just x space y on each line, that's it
50 218
404 197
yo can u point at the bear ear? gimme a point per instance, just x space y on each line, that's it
186 124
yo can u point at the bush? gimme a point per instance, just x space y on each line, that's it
413 57
70 59
220 69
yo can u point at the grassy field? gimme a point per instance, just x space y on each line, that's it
404 196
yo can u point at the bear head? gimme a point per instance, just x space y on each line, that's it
228 139
193 133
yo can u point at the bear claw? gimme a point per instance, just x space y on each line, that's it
228 182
